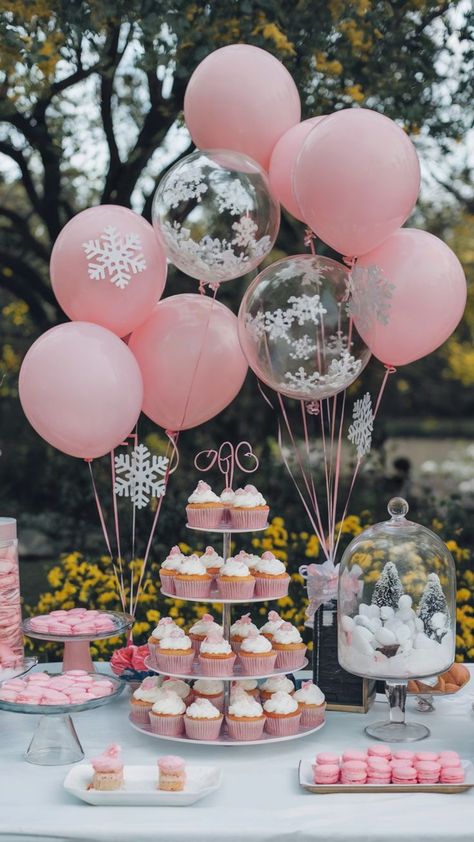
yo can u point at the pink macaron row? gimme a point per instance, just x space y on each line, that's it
78 621
380 766
68 688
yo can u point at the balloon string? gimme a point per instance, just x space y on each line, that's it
117 527
104 531
215 288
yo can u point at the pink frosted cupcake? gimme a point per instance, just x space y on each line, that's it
169 568
205 509
256 655
211 689
250 510
143 699
240 630
164 628
283 715
227 499
245 718
235 580
247 685
202 721
175 654
180 687
312 704
216 658
270 627
289 647
199 631
167 715
271 578
193 581
212 561
250 559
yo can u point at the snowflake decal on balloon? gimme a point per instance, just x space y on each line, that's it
182 189
139 475
360 431
371 295
341 373
115 256
233 197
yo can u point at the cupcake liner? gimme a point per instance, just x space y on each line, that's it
236 644
177 664
287 726
196 641
312 717
237 589
167 726
205 518
217 667
202 729
245 731
140 713
272 588
192 588
249 518
167 583
258 664
217 701
290 659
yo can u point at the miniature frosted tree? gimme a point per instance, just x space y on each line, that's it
433 601
388 588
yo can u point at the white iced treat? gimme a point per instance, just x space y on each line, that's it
215 646
177 685
309 694
203 493
211 559
244 705
169 703
208 686
276 683
176 641
192 566
281 702
202 709
254 644
235 568
164 628
248 498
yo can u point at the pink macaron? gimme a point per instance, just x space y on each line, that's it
428 771
378 764
404 775
403 754
448 755
354 772
380 751
354 754
426 756
452 762
326 758
452 775
326 773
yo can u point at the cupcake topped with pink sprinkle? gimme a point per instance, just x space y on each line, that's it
250 510
240 630
205 509
274 623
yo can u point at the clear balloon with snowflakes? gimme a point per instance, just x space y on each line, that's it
215 216
297 331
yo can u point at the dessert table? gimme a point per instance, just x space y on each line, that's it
260 798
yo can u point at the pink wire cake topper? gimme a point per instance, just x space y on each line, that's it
227 457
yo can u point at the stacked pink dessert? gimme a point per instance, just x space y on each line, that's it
75 687
379 765
76 621
11 635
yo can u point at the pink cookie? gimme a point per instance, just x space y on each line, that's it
14 684
447 762
326 773
56 627
354 754
54 697
403 754
36 677
380 751
452 775
378 764
76 697
85 627
354 772
327 759
404 775
75 672
448 755
379 779
77 612
9 695
424 756
428 771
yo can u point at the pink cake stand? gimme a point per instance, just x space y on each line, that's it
77 654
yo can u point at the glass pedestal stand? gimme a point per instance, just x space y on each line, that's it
396 729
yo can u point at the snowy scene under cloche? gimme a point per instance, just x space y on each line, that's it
396 604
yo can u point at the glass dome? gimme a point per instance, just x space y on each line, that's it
397 601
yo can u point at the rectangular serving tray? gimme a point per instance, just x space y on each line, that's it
305 775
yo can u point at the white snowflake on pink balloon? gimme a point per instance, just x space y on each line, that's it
114 255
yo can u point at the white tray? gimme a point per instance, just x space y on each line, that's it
215 597
224 740
237 675
226 527
305 774
140 784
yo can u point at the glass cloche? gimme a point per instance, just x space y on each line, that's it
397 606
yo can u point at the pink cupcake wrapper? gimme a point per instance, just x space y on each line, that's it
217 701
258 664
236 590
192 588
291 659
236 644
311 717
177 664
217 667
140 714
245 731
196 644
272 588
202 729
285 727
167 726
167 583
249 518
205 518
152 649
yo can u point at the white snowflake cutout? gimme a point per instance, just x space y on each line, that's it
306 308
183 187
360 431
141 475
233 197
245 230
371 295
300 380
116 256
302 348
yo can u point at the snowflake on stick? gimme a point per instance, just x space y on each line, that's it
360 431
115 256
139 475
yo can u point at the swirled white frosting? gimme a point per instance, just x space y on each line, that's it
256 644
211 559
242 628
248 498
219 646
274 623
203 493
246 685
177 685
245 705
235 568
179 641
280 702
169 703
285 636
228 496
278 683
271 566
309 695
164 628
173 559
147 694
209 686
204 626
202 709
192 566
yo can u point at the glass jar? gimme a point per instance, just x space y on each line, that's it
11 634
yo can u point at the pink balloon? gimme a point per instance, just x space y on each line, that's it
356 180
427 298
191 361
107 267
282 164
241 97
81 389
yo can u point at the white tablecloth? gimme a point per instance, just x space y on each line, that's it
260 798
